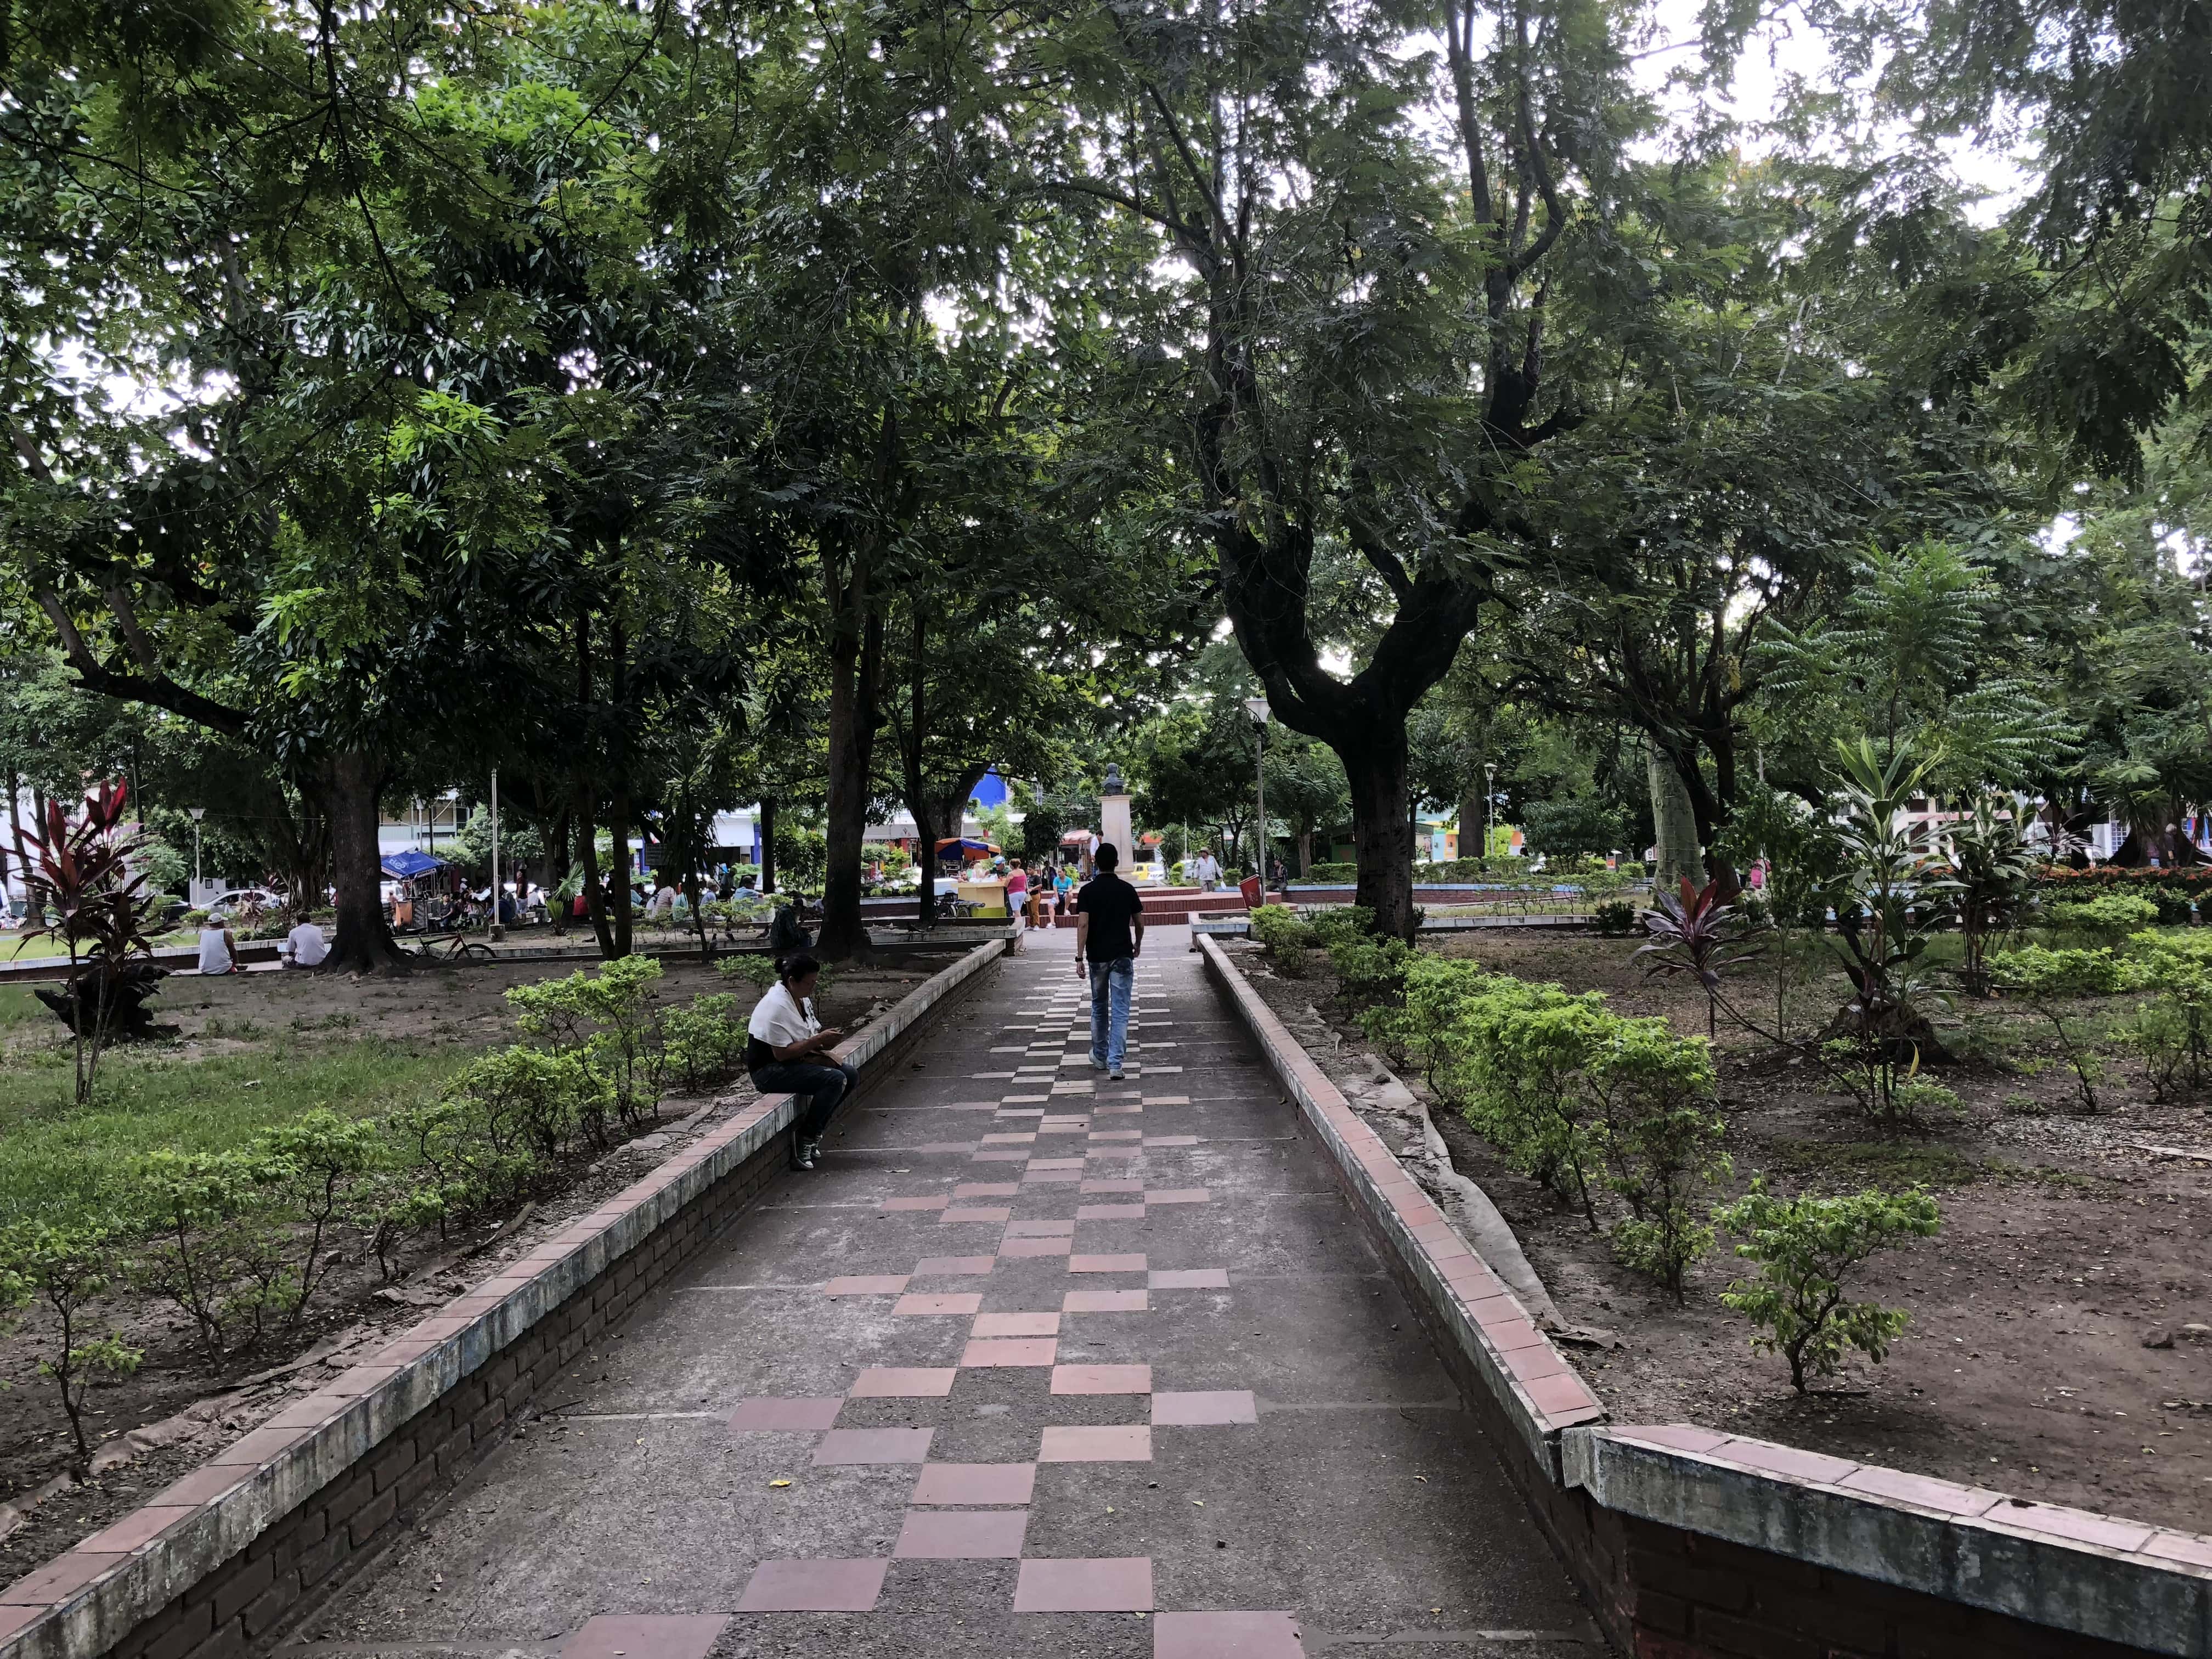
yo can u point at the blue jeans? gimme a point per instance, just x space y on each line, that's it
1110 985
819 1088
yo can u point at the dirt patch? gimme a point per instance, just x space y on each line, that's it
2065 1249
176 1410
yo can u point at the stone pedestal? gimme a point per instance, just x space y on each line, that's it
1114 826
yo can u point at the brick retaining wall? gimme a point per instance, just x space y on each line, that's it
225 1557
1691 1543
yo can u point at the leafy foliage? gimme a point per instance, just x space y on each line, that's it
1806 1247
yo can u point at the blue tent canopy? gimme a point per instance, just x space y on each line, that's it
408 863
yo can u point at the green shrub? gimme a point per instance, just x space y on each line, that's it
2047 981
213 1243
2108 918
1277 929
752 969
1340 922
2173 1034
1661 1139
1518 1060
65 1268
315 1163
1805 1247
1369 970
1615 918
1331 874
705 1042
609 1019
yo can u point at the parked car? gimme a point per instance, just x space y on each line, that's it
240 900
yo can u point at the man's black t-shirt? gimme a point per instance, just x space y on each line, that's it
1110 902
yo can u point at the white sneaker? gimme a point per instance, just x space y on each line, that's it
1115 1076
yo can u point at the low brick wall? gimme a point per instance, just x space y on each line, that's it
220 1560
1694 1544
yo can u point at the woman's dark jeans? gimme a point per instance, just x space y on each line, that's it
818 1087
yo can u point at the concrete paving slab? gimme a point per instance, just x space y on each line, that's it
1281 1458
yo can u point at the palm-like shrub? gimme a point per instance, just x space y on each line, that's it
1698 933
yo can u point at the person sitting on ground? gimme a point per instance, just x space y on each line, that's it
218 951
787 1052
304 946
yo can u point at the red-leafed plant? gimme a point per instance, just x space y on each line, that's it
1698 933
84 892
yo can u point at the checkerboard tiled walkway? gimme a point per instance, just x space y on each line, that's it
1038 1363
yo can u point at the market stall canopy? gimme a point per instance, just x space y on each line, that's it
408 863
964 846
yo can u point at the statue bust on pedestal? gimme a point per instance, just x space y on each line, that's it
1113 825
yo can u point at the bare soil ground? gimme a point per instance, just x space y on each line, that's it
177 1410
2047 1355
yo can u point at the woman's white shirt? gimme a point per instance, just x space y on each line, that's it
780 1019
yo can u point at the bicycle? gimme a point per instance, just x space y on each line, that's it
454 947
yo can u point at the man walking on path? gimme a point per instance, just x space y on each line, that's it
1110 933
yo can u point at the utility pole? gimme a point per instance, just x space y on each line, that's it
198 812
1257 709
497 932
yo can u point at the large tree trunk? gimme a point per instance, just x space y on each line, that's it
855 659
1675 822
913 750
1382 832
768 843
588 855
351 782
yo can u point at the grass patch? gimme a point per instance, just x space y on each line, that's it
57 1159
1872 1163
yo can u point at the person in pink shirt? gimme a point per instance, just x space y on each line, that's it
1017 898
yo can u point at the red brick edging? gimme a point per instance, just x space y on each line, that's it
1695 1544
223 1557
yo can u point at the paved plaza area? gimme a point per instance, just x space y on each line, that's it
1037 1365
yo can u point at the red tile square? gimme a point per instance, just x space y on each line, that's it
1117 1151
904 1382
975 1483
1110 1213
1676 1436
1792 1462
1188 1278
1116 1442
1010 1350
1226 1636
937 1203
1106 1264
1011 1138
940 1266
1062 1163
843 1446
1000 1155
962 1534
1170 1140
66 1573
1095 1586
1035 1247
1015 1324
992 1213
1105 1302
866 1285
785 1416
682 1635
948 1302
1178 1196
1920 1489
814 1586
1117 1135
1101 1379
136 1527
1205 1405
1562 1397
1051 1178
986 1189
1091 1186
1041 1229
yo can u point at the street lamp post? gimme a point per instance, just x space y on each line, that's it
1489 805
1257 709
497 932
198 812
